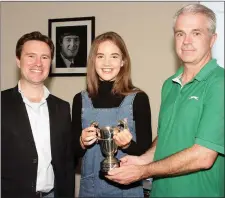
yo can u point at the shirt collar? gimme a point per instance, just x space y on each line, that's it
206 70
201 75
43 100
67 62
177 76
177 79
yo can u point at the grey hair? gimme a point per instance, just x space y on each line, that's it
198 9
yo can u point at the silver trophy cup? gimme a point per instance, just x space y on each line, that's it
108 146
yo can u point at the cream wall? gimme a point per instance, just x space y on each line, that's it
145 26
218 48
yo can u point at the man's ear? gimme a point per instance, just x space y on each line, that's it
213 39
18 62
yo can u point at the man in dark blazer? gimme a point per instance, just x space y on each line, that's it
36 137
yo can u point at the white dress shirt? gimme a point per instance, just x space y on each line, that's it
39 120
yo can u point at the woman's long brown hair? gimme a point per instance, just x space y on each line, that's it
123 83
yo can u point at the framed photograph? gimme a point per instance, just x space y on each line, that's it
72 38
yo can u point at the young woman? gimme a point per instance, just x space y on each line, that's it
110 96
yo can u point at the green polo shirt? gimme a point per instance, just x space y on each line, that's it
192 114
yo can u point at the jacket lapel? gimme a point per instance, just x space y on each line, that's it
53 119
23 127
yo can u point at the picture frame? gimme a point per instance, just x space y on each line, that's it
72 38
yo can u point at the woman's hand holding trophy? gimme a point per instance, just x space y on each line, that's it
122 135
123 138
89 136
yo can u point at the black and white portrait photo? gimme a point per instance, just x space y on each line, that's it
71 46
72 38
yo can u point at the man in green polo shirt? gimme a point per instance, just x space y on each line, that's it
187 156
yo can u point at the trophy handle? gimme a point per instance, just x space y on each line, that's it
122 124
95 124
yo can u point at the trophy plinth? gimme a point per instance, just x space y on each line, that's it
109 163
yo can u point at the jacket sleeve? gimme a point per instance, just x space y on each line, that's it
77 126
70 163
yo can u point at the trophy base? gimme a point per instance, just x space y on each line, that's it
108 164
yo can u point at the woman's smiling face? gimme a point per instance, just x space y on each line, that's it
108 61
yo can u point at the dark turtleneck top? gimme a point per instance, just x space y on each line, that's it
105 99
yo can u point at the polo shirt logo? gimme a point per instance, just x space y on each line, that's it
193 97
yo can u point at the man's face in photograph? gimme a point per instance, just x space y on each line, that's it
69 46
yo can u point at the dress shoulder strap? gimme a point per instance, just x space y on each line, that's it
128 100
86 101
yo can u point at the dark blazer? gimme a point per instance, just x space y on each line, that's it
19 157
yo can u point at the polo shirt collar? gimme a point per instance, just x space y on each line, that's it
206 70
202 74
177 76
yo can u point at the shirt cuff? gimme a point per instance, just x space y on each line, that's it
210 145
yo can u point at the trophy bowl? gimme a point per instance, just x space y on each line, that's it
108 146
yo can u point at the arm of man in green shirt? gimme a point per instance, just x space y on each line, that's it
189 160
201 155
